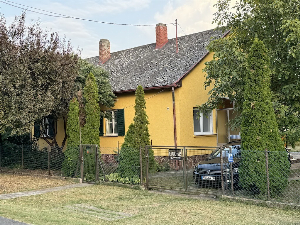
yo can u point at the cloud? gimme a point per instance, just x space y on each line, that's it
192 16
75 31
114 6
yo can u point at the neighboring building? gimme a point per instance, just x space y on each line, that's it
174 86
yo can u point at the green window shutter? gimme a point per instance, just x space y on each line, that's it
51 126
37 129
101 126
120 122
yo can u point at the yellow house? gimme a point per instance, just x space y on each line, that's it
171 72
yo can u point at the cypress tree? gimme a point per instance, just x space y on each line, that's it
259 129
136 137
90 131
129 155
72 152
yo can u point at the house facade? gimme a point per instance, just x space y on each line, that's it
171 72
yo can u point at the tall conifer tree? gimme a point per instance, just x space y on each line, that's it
259 128
72 152
137 137
90 131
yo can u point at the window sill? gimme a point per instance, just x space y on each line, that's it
110 135
46 136
204 135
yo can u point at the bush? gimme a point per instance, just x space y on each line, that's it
71 161
115 177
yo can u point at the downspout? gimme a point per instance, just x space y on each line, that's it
174 118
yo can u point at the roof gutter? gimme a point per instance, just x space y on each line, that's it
148 88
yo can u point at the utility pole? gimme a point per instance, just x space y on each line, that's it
176 37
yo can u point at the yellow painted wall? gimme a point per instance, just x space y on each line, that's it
191 94
159 108
222 126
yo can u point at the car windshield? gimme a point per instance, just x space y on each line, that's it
235 150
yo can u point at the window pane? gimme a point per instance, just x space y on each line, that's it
109 124
206 122
196 121
115 128
109 128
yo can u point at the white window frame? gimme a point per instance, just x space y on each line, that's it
202 115
113 121
45 127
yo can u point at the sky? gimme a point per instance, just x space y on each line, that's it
192 16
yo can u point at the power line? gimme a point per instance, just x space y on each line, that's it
181 29
58 15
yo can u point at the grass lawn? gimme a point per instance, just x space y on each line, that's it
10 183
105 204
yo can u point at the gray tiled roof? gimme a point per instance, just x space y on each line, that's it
150 67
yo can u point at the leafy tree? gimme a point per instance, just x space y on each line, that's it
259 128
136 137
72 152
106 96
90 131
37 75
276 23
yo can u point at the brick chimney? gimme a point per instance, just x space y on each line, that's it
161 35
104 50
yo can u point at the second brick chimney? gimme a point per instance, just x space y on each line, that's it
104 50
161 35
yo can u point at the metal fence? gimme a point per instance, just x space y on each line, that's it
218 171
28 158
227 171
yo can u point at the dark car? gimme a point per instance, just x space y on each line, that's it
208 173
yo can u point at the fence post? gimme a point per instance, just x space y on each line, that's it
49 149
141 166
81 164
22 157
221 162
147 168
267 171
231 175
185 168
97 164
0 150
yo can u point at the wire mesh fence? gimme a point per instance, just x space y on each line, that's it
29 157
85 162
229 171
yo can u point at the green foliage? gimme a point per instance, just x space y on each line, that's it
73 123
106 96
276 23
129 158
136 137
90 131
259 128
115 177
71 161
37 75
